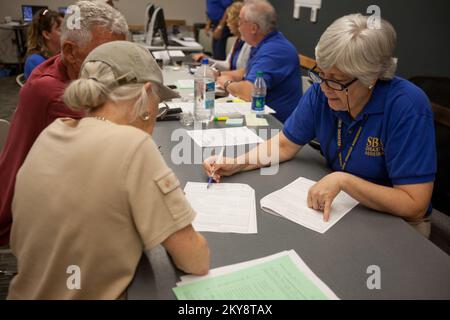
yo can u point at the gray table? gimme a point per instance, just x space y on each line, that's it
411 266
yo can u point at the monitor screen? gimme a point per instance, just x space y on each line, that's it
29 11
156 26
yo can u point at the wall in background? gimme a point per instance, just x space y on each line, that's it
190 10
423 27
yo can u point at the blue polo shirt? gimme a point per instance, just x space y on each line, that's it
396 145
31 63
216 8
278 59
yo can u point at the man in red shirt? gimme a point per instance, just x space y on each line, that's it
40 99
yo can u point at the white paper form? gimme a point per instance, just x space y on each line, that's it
224 137
185 84
221 109
291 203
224 207
295 258
164 54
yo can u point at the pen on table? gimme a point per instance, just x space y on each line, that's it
210 180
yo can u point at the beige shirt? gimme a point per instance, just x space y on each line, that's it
93 196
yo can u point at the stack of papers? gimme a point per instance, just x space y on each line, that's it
224 207
184 84
282 276
224 137
291 203
164 55
221 109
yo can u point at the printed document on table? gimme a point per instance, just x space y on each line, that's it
291 203
280 276
185 84
224 137
221 109
223 207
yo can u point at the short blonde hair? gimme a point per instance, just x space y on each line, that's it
97 84
357 50
233 12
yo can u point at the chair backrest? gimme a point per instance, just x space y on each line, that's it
4 127
438 91
230 44
306 62
20 79
205 41
306 83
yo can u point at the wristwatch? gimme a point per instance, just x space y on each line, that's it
226 84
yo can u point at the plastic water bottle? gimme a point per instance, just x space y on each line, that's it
204 93
259 94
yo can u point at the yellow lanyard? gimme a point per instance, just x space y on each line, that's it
339 143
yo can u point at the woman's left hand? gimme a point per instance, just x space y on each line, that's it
322 194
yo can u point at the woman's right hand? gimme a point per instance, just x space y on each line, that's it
225 167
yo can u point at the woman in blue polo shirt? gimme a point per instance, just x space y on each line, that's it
375 130
43 39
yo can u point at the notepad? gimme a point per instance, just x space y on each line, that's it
282 276
252 120
223 207
291 203
224 137
235 122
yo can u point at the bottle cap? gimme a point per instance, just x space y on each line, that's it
259 73
205 61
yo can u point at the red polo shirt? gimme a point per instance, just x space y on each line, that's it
39 105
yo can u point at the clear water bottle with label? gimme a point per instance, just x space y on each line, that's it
259 94
204 92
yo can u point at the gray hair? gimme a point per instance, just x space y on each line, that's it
262 13
357 50
91 14
97 84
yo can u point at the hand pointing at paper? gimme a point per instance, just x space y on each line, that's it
322 194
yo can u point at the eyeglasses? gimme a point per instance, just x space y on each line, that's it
334 85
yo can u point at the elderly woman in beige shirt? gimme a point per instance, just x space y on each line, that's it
94 193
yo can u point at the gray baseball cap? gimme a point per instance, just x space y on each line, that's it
131 63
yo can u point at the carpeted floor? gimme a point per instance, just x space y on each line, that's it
9 96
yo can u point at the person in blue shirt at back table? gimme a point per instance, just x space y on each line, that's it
43 39
216 14
272 54
375 130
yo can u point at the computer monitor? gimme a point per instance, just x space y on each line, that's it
29 11
155 25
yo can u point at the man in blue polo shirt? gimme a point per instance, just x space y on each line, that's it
272 54
215 11
375 130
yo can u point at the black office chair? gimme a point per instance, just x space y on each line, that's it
438 91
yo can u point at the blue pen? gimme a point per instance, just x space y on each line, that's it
210 180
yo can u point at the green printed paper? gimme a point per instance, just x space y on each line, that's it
279 279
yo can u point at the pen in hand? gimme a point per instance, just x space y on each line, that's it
219 158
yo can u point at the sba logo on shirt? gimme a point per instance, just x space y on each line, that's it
374 147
